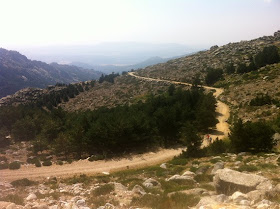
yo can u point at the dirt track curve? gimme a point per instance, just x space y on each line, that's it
222 127
135 161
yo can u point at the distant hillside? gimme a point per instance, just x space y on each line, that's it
18 72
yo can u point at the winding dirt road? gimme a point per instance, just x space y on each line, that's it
135 161
223 112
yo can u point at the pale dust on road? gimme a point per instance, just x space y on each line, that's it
135 161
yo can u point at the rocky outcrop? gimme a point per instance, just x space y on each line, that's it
228 181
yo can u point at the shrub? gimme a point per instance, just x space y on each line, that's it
13 198
4 166
252 136
3 158
179 161
249 168
103 190
96 157
213 75
38 164
47 163
59 162
218 147
14 165
23 182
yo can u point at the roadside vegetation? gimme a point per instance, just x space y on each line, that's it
175 117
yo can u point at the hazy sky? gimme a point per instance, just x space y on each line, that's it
195 22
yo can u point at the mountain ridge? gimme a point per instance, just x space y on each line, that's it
18 72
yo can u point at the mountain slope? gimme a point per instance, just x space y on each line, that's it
183 69
18 72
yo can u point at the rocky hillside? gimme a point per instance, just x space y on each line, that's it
18 72
227 181
183 69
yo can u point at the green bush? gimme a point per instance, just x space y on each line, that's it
59 162
3 158
103 190
252 136
4 166
249 168
38 164
179 161
14 165
218 147
96 157
23 182
47 163
18 200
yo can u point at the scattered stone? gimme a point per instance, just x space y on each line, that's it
31 196
137 189
151 183
163 165
189 173
81 202
179 177
106 173
107 206
11 206
238 196
217 166
44 206
201 170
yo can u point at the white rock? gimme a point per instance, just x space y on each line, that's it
11 206
238 196
178 177
31 196
106 173
188 173
151 183
138 190
163 165
81 202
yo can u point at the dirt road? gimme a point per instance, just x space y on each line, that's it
87 167
222 127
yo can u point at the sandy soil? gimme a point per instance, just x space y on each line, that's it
135 161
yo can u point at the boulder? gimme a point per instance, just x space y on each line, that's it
256 195
217 166
237 197
151 183
227 181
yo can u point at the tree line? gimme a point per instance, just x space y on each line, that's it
162 120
